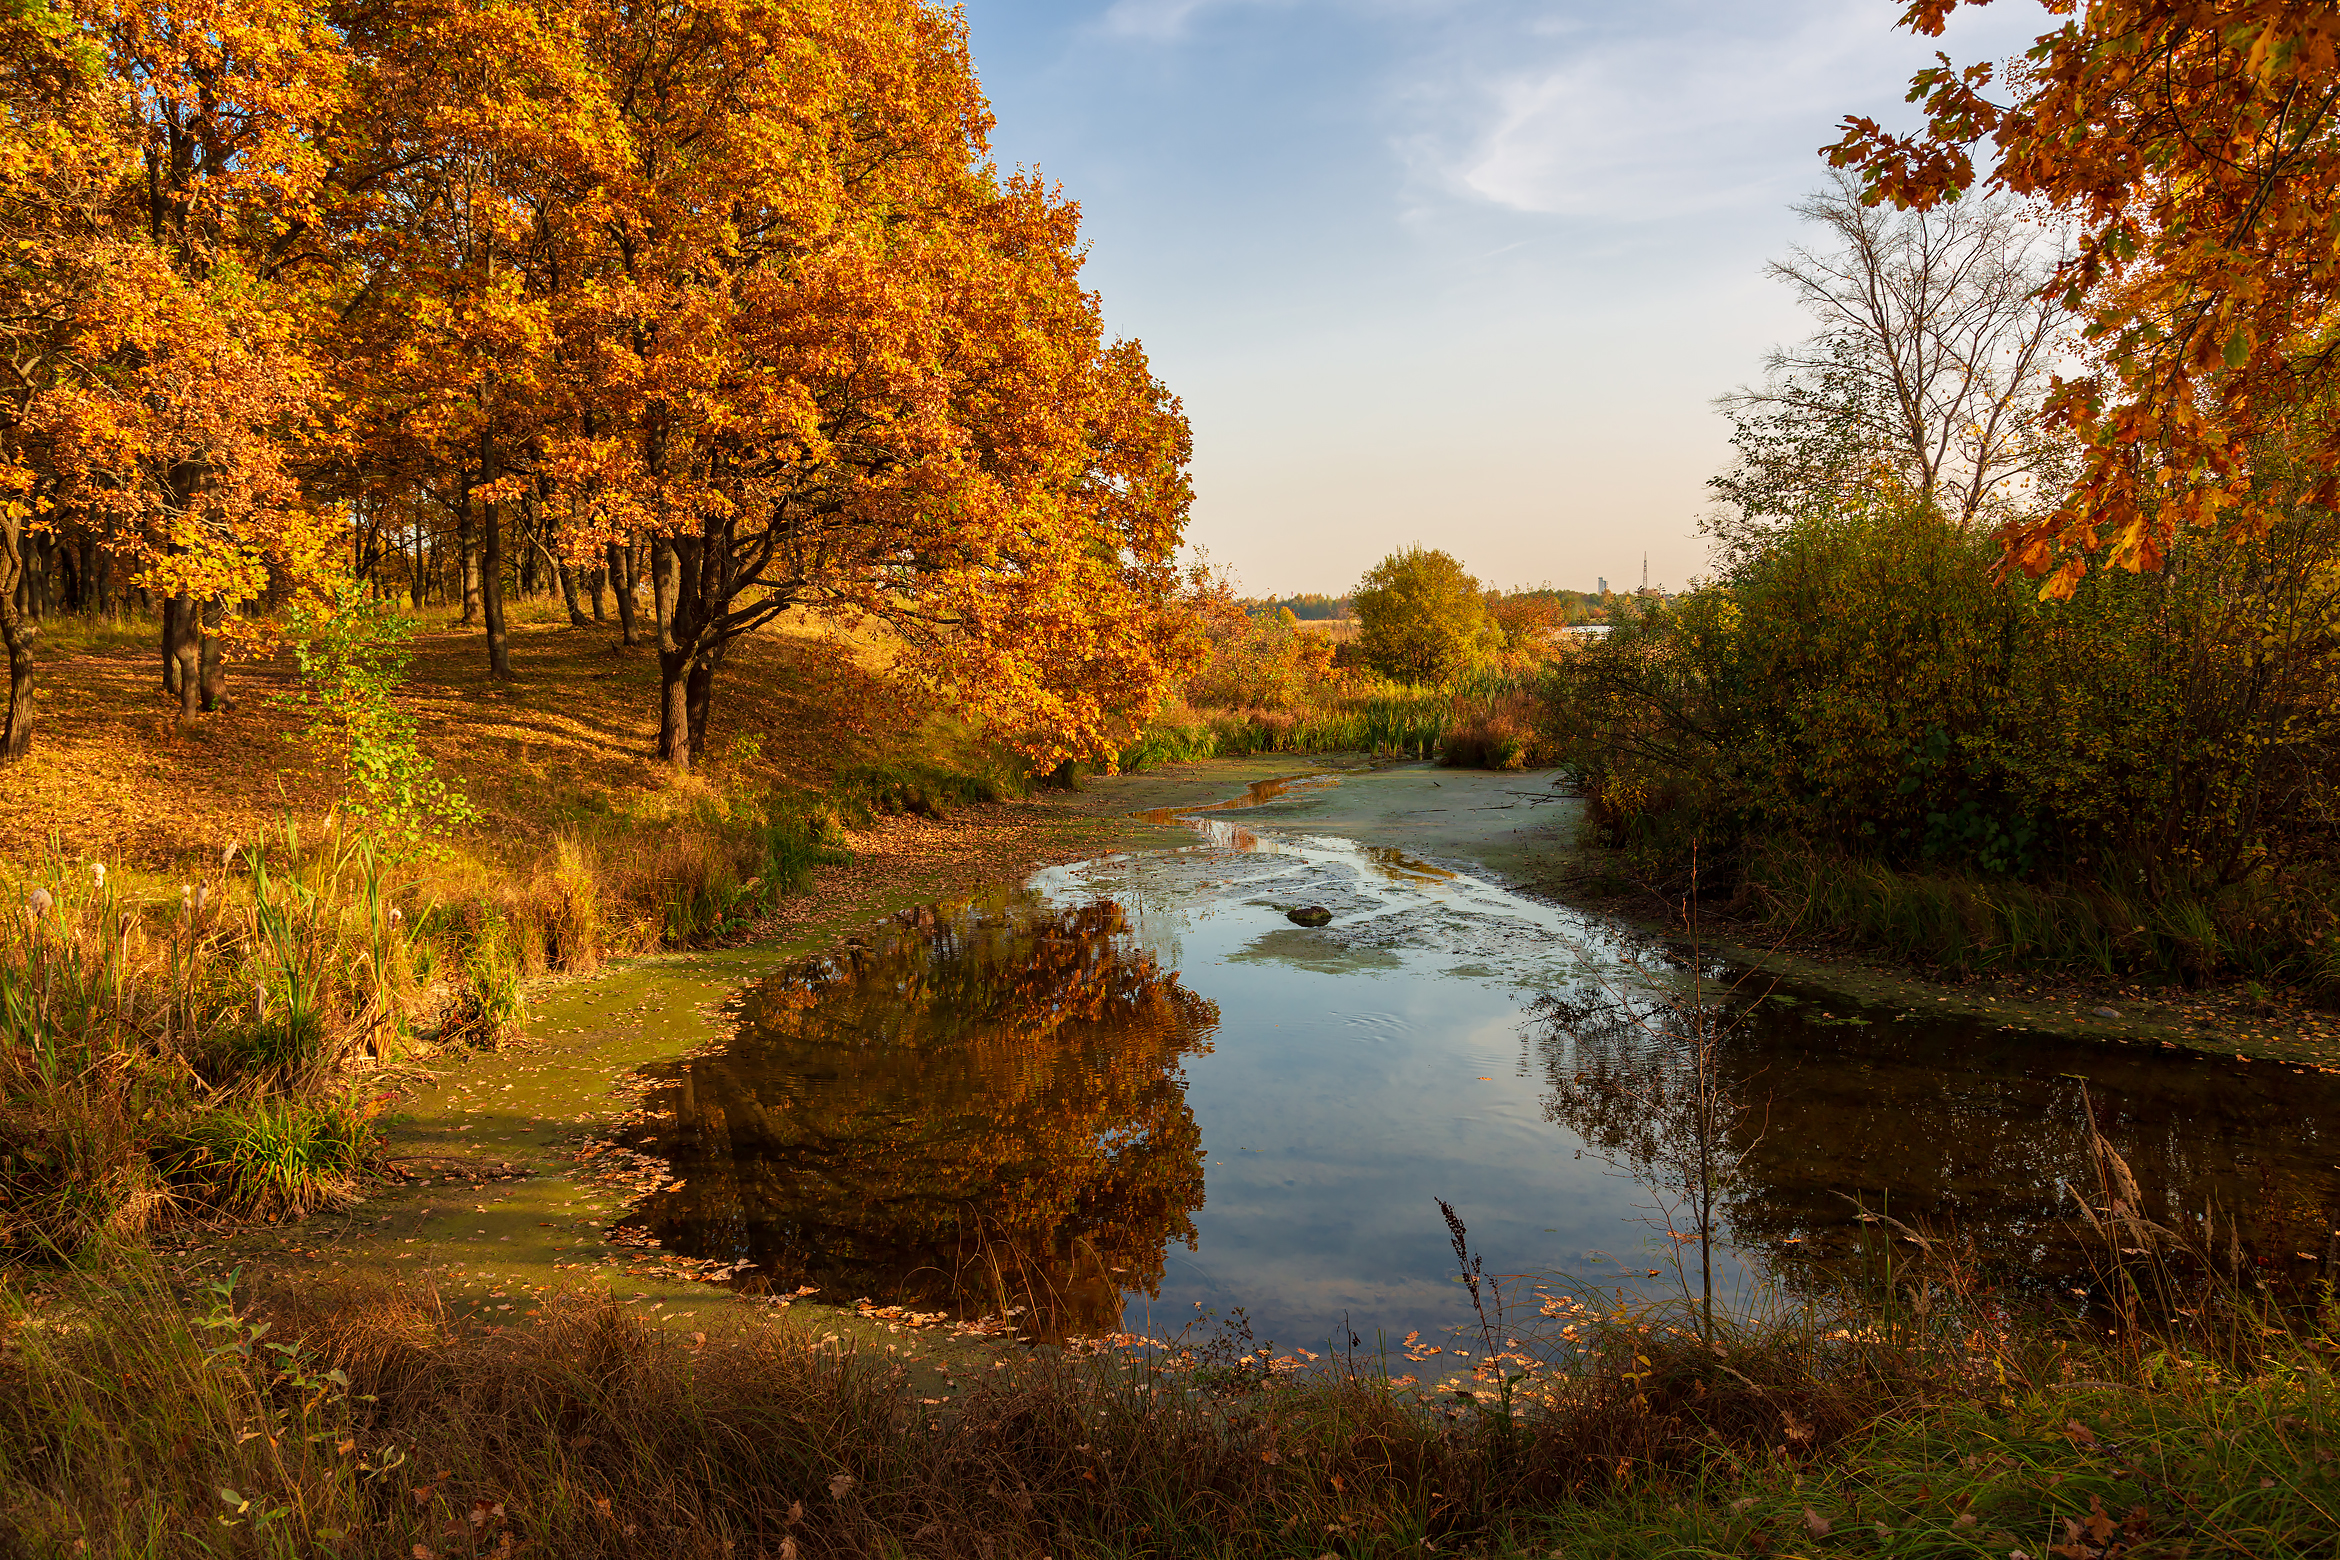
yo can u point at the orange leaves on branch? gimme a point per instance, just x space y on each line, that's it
2193 149
153 180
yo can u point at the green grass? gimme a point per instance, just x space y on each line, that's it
1484 720
275 1157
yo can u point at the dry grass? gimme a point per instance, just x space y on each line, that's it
167 1052
356 1418
571 739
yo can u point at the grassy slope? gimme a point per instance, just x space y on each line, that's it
111 776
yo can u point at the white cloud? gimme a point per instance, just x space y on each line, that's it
1662 120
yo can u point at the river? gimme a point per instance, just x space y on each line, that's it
1133 1093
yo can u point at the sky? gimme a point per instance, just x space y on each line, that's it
1459 273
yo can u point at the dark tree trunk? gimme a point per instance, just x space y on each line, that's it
468 566
674 662
17 634
171 608
183 643
421 582
211 670
621 581
526 564
594 580
577 617
491 569
699 688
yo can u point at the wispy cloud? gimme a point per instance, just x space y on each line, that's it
1663 112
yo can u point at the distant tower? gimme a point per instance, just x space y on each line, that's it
1645 571
1604 590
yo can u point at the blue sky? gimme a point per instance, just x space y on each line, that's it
1459 272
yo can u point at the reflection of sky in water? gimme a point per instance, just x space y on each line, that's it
1360 1071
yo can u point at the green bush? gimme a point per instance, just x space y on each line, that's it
275 1157
1422 618
1868 686
352 658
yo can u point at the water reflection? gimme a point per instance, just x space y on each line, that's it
972 1107
1948 1124
1017 1098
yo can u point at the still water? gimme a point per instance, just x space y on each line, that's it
1131 1092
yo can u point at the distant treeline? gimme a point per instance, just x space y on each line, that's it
1575 606
1308 608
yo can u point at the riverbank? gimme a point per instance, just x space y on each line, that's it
475 1298
500 1189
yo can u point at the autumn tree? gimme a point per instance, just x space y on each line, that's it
469 129
1421 617
2192 150
832 357
158 174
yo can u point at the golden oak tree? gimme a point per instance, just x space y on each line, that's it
823 353
468 125
157 174
2192 149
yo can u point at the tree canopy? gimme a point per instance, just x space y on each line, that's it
732 289
2190 149
1421 617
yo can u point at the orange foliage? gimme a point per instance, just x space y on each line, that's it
2191 145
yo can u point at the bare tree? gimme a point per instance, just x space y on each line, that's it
1936 343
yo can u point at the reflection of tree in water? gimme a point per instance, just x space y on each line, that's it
970 1106
1951 1124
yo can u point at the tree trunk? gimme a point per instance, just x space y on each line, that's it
468 566
674 710
542 539
17 633
699 690
577 617
524 567
621 580
170 642
491 571
662 591
674 663
421 582
595 579
211 670
184 645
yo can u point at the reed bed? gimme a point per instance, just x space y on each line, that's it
199 1040
1484 722
1964 923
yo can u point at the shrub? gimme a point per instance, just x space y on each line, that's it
352 658
1422 618
1869 686
274 1157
